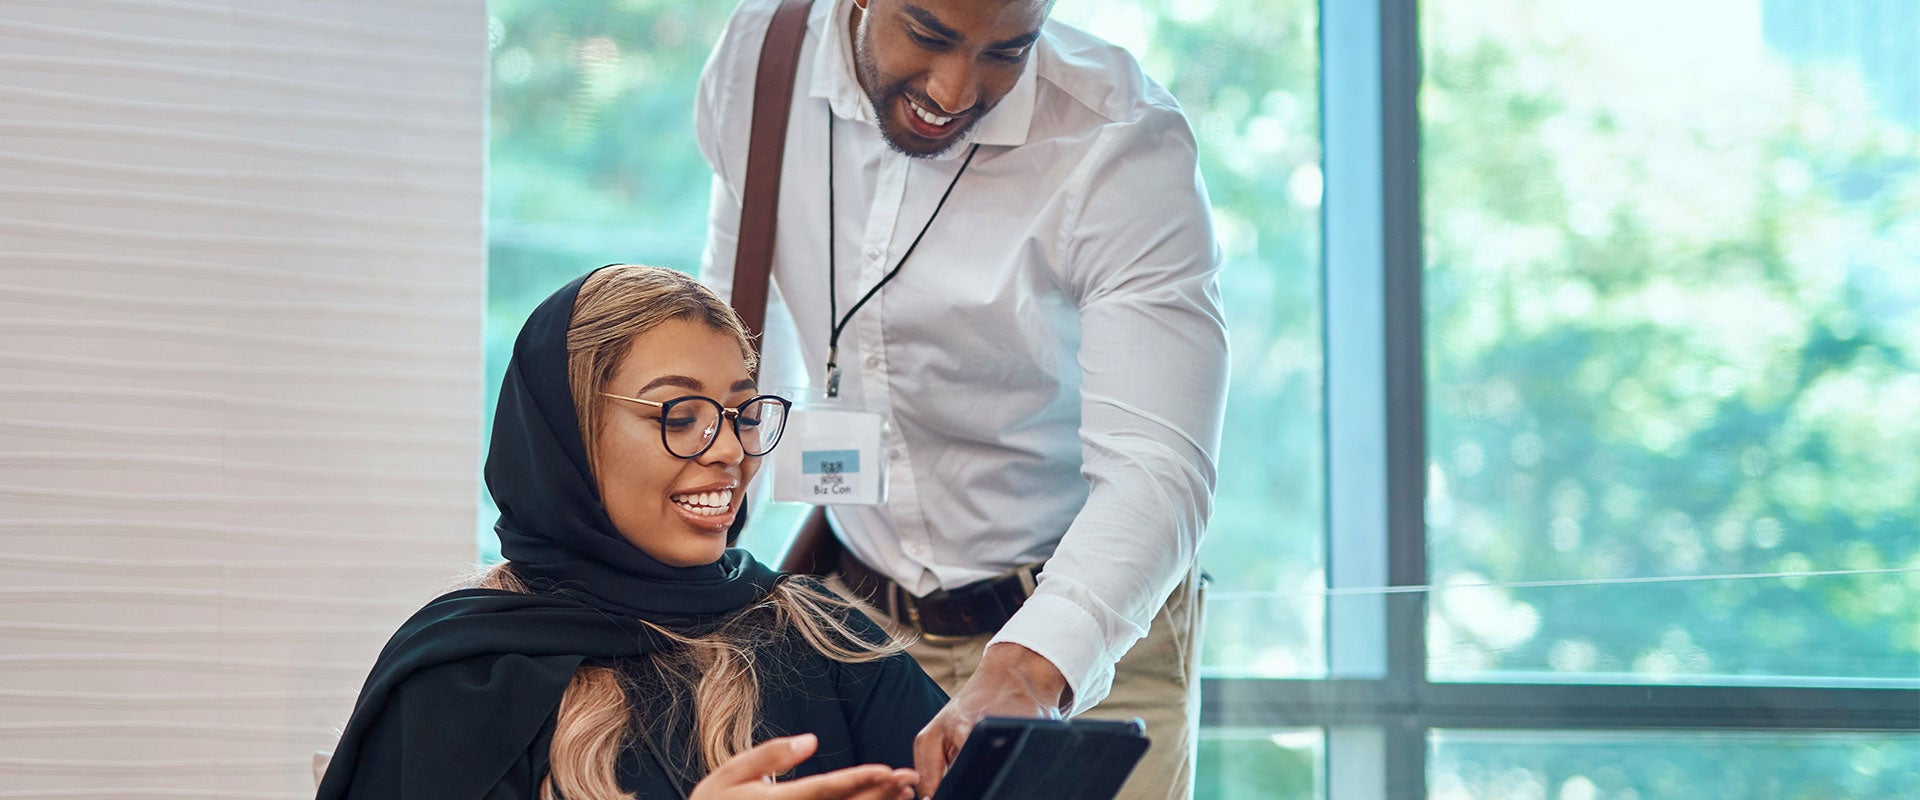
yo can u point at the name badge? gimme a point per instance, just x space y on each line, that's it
831 457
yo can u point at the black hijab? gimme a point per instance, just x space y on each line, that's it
462 690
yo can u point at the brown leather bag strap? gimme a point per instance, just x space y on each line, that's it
760 200
766 149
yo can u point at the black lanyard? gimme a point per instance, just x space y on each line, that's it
833 296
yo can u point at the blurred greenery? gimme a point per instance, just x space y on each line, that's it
591 155
1498 765
1239 764
1671 331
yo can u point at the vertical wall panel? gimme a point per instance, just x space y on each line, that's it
241 285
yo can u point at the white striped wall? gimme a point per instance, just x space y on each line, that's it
241 287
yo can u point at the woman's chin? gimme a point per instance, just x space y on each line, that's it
683 546
685 556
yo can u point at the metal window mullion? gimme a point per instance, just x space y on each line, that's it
1354 335
1407 743
1253 702
1375 449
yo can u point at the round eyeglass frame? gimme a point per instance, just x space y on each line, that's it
726 414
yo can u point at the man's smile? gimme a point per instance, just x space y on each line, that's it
925 123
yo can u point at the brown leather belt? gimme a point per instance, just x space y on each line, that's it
965 611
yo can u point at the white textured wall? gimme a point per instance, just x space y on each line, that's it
241 285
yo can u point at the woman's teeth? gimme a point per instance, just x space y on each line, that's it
710 504
927 116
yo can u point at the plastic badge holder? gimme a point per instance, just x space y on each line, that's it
833 454
1008 758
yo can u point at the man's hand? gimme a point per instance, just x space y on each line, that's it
1012 681
748 776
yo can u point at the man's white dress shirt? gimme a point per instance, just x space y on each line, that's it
1053 356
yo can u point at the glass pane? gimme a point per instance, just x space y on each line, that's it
1750 631
1673 323
1260 764
1587 765
1247 74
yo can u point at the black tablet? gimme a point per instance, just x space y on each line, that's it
1008 758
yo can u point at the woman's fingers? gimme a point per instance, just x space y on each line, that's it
869 782
770 757
908 782
744 777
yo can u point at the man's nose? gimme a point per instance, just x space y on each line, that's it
954 85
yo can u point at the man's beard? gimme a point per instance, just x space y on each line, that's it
885 98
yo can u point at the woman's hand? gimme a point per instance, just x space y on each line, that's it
748 776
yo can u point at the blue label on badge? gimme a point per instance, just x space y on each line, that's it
829 462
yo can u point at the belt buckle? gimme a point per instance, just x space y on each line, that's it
913 619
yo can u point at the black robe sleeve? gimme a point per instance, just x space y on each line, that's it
886 702
523 776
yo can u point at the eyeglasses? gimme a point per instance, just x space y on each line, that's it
689 425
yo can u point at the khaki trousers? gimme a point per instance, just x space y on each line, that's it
1157 681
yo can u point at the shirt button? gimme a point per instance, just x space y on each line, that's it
873 254
873 362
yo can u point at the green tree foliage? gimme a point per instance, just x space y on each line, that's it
591 155
1671 331
1673 317
1257 765
1644 766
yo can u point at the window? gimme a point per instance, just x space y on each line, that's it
1671 321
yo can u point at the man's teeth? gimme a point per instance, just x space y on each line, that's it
927 116
710 504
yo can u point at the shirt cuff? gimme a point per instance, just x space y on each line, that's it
1068 636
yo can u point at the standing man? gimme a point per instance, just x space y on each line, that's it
1046 340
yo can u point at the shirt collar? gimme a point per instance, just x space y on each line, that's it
835 81
833 74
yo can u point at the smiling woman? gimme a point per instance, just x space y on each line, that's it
654 337
623 650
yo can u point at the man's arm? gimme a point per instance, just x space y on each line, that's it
1140 260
